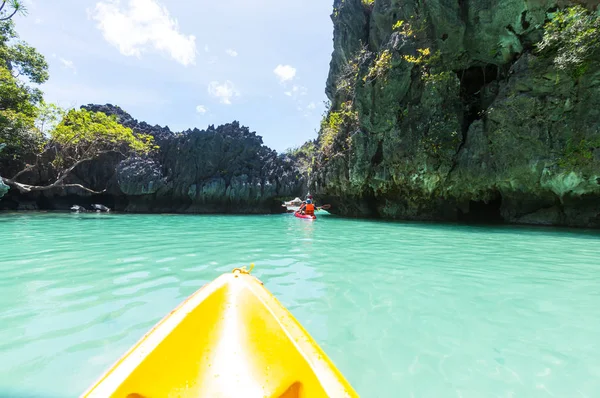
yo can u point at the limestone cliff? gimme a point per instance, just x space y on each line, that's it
222 169
451 110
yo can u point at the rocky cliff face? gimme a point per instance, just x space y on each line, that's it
448 110
222 169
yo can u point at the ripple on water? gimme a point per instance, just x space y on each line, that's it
403 309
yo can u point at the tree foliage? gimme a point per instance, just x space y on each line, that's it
80 137
48 116
572 36
19 100
83 135
9 8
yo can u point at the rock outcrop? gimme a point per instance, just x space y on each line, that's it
447 110
3 188
223 169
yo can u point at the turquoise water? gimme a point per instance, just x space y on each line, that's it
403 309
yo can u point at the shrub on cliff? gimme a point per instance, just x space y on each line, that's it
336 124
572 37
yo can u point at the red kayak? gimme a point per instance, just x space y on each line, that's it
305 216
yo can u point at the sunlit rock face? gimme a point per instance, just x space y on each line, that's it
450 112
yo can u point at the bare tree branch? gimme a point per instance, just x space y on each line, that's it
82 187
10 16
25 170
28 188
59 180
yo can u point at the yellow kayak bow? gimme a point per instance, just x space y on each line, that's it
232 338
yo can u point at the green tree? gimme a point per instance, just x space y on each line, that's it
20 66
80 137
9 8
48 116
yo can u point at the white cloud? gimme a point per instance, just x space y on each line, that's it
311 106
285 73
224 92
201 109
231 53
37 21
68 64
296 91
143 26
206 48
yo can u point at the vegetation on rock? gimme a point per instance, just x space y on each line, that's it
304 157
572 37
334 125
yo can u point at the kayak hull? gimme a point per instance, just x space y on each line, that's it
231 338
305 216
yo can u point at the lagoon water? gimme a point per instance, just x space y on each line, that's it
403 309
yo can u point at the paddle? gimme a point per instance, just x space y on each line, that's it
324 207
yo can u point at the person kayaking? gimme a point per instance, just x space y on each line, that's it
307 207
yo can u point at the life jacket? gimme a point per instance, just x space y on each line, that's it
309 209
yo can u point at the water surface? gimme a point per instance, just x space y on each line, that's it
403 309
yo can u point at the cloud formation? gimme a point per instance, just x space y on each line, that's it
224 92
285 73
68 64
142 26
201 109
231 53
296 91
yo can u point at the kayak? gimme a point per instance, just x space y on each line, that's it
231 338
306 216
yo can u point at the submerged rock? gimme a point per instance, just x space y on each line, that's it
445 111
100 208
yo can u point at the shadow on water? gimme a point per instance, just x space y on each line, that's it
478 227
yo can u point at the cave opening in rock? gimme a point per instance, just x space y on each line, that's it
481 212
378 157
472 81
524 22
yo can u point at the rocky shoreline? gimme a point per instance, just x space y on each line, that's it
224 169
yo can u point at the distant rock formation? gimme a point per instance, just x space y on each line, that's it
224 169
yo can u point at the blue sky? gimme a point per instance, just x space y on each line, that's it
190 63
